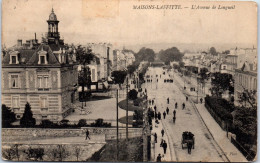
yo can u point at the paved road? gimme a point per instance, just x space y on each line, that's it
187 120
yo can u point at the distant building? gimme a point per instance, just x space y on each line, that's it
246 73
122 59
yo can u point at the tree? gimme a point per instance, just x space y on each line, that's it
220 83
27 120
213 51
181 64
171 54
77 152
34 153
145 54
7 116
203 73
82 123
132 94
119 77
248 97
84 56
59 153
131 69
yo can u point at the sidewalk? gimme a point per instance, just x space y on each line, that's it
232 153
155 147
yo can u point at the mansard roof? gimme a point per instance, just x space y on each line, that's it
52 59
30 57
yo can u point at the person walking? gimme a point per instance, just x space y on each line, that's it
174 119
176 105
87 135
161 144
164 147
155 138
159 115
201 100
152 102
159 158
162 131
164 115
187 98
183 106
167 110
155 108
168 100
174 113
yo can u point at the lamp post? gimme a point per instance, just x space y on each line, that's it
127 109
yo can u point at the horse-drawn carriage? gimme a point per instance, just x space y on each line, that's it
189 140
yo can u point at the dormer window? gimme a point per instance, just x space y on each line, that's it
42 57
14 57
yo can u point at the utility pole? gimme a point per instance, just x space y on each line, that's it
117 125
127 109
197 90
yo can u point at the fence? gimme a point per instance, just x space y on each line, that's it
221 123
123 135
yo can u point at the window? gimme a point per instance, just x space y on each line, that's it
42 58
14 81
13 60
15 102
44 116
14 57
43 82
43 103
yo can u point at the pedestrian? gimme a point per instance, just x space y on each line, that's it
152 102
167 110
162 131
176 105
187 98
156 115
174 113
164 147
164 115
159 115
189 145
155 138
155 108
161 143
201 100
174 118
183 106
87 135
159 158
168 100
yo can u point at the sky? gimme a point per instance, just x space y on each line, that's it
116 22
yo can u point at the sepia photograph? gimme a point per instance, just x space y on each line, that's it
129 81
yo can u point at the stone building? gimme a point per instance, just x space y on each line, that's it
246 73
45 76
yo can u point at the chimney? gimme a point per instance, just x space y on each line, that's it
19 42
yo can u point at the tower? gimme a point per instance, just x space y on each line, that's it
53 32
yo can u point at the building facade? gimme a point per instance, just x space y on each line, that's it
45 76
